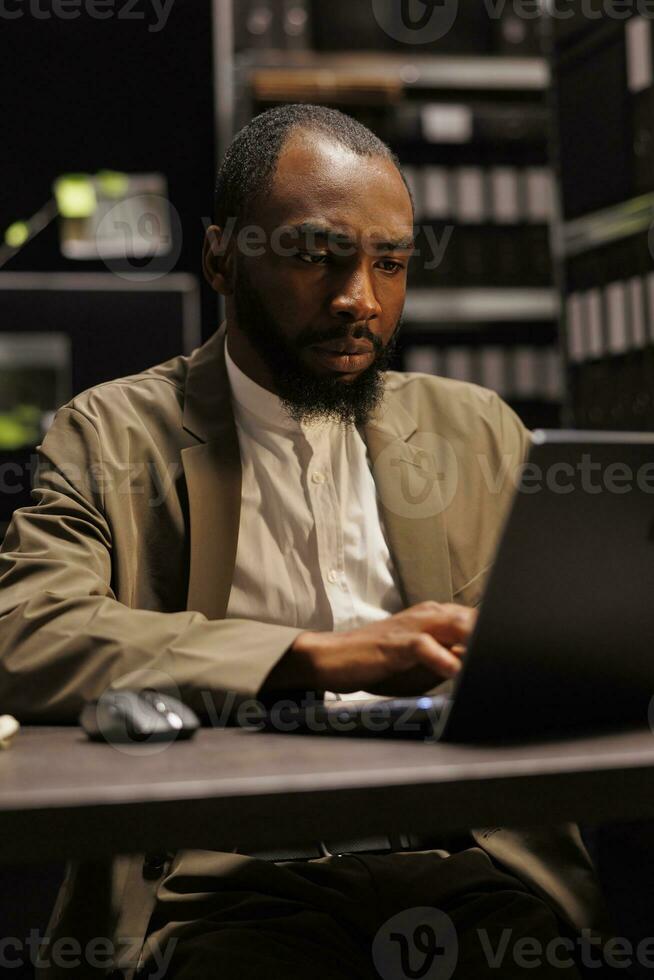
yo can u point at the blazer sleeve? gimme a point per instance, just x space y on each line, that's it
64 636
512 434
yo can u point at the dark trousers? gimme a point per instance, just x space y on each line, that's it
407 915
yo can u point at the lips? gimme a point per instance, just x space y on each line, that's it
348 347
343 362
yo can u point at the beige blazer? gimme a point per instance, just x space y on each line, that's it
120 572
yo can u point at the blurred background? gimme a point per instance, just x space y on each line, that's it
524 127
526 130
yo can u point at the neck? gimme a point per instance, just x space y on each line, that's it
246 358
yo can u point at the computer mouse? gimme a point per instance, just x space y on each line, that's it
138 716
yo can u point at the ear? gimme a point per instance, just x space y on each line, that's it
218 259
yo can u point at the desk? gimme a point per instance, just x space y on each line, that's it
64 797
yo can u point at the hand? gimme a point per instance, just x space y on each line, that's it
407 653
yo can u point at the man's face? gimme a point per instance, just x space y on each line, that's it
314 317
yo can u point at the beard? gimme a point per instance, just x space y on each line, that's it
306 395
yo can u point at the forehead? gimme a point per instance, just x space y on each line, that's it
317 178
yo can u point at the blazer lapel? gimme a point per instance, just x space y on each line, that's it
213 478
410 473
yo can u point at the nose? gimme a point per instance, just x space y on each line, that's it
355 300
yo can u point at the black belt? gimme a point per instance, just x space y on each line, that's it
363 845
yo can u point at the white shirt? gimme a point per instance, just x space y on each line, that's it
311 548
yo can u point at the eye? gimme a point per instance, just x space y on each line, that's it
390 265
312 258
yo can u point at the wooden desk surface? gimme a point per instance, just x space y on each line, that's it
62 796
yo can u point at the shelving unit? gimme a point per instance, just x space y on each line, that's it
412 72
470 129
612 224
603 75
436 308
70 331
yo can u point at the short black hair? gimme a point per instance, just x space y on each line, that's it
251 159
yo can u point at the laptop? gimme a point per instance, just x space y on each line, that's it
565 634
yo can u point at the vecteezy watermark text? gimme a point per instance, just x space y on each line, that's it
138 478
530 952
307 713
588 476
155 12
68 953
417 486
424 942
588 9
422 22
289 241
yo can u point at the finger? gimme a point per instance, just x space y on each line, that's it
448 625
463 615
432 654
468 613
446 611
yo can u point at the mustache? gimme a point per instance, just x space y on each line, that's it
307 338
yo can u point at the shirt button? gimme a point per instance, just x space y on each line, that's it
318 477
333 576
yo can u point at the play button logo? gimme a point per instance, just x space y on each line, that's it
416 21
416 944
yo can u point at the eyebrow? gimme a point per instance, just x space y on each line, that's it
399 245
403 244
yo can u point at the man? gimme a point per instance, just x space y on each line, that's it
275 512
